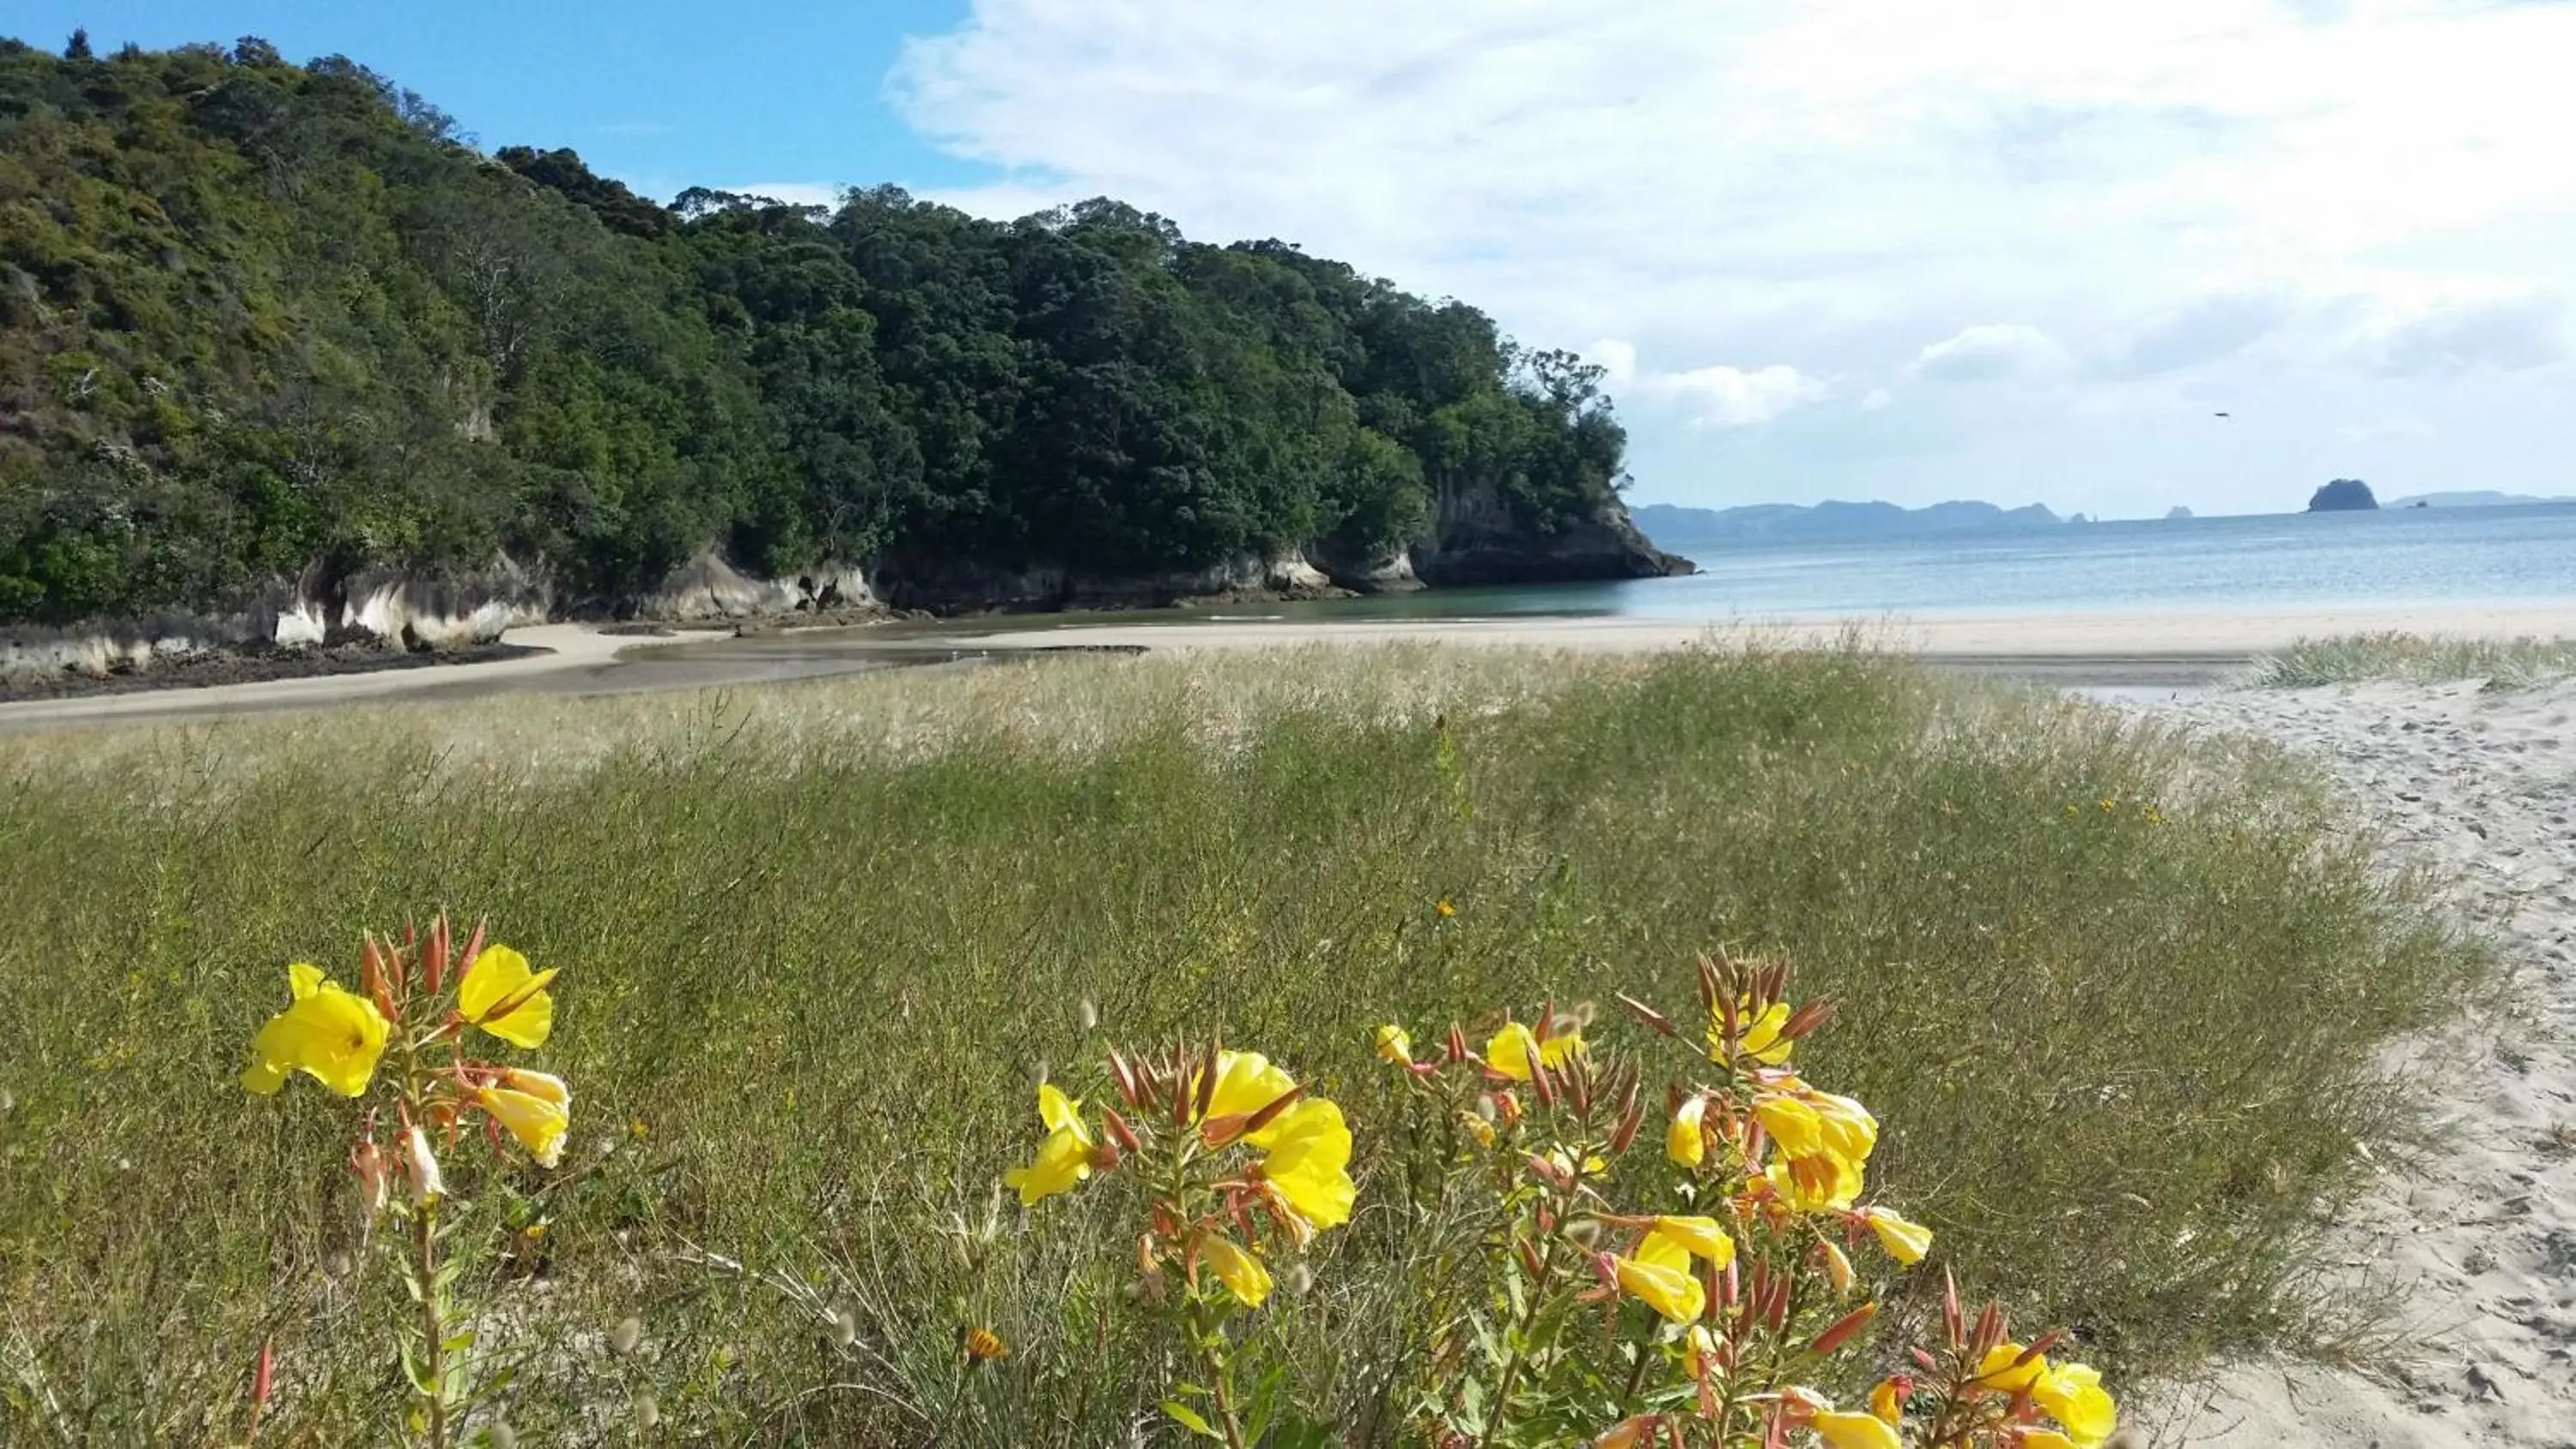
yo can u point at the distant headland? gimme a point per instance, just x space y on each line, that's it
1794 522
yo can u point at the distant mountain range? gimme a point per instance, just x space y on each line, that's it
1667 523
2473 498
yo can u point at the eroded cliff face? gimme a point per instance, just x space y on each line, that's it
945 586
1480 540
375 608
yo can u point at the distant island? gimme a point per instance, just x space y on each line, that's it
1793 522
2343 495
2476 498
2177 513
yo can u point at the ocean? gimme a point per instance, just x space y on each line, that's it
2393 557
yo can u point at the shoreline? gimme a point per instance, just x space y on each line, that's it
2176 649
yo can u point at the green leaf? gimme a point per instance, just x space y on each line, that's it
459 1343
1188 1418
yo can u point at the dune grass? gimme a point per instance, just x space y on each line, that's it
2504 664
2115 995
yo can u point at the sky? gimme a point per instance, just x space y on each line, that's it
2020 250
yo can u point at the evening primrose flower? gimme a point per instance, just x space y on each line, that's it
1064 1159
1395 1046
2073 1395
1684 1142
1308 1169
1512 1048
501 995
332 1034
1760 1038
2001 1369
1887 1400
1906 1241
1824 1141
1240 1272
1660 1277
535 1107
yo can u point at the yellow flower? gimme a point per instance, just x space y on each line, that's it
1246 1082
1660 1277
2073 1395
1240 1272
1700 1352
1761 1040
1997 1369
333 1034
1477 1127
1394 1045
1886 1402
1815 1184
1905 1241
1444 908
1063 1160
534 1107
1824 1139
1701 1237
1854 1431
1684 1142
1511 1049
2045 1439
1308 1168
501 995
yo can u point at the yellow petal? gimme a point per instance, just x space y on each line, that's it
1904 1240
1063 1160
1240 1272
2073 1395
1684 1142
1997 1370
1670 1291
1309 1163
1701 1236
1792 1123
1816 1184
538 1123
1394 1045
303 979
1855 1431
502 996
1884 1403
1512 1047
1061 1113
1246 1082
2046 1438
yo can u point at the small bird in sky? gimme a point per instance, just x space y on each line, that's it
2222 415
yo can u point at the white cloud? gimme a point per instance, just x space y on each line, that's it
2312 210
1992 352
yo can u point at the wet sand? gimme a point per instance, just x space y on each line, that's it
2098 652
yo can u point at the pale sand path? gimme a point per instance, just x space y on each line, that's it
2189 635
2482 1235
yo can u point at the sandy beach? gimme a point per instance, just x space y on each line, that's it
2478 1238
2173 649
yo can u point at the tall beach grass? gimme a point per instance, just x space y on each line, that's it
2117 996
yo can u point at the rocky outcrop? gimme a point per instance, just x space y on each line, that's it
707 587
425 613
949 586
1480 540
1366 575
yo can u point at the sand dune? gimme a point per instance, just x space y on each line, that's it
2480 1237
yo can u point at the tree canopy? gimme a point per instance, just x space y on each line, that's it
256 316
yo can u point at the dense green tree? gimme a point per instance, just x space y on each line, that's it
256 317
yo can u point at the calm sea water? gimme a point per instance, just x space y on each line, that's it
2394 557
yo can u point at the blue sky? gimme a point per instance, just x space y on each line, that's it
661 93
2020 250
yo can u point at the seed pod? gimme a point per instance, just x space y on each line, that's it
845 1328
648 1411
1086 1016
628 1333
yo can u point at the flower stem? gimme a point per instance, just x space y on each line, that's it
433 1355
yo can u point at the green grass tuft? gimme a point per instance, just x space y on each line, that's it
2360 658
2115 994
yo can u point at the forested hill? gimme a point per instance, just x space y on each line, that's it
260 319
